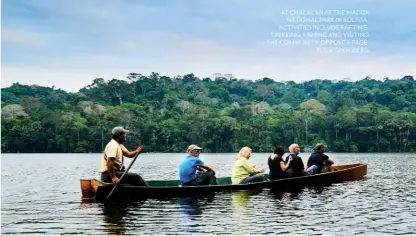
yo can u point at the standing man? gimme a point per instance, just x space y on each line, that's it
188 169
112 163
296 167
319 159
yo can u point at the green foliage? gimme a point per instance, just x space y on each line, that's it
221 114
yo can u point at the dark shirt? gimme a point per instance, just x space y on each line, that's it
276 171
296 165
318 159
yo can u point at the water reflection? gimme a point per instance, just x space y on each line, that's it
191 209
189 206
114 220
296 192
278 194
291 193
193 205
318 189
241 201
383 204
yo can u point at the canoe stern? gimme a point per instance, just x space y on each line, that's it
86 189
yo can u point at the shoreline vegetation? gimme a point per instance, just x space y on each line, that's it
221 114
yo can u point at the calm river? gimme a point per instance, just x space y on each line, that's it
40 194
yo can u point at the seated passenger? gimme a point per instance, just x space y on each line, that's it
244 171
188 174
276 164
318 158
296 167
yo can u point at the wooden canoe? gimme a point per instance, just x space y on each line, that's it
96 190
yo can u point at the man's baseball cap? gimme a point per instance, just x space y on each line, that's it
193 147
119 130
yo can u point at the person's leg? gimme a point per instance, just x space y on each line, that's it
326 167
106 178
209 177
312 170
253 179
204 178
131 178
284 175
289 173
190 183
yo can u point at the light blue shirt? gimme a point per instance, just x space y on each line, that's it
187 169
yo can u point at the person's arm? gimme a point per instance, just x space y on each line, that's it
111 171
207 168
250 169
127 153
111 154
283 166
201 166
330 161
304 170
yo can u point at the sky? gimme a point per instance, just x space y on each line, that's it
69 43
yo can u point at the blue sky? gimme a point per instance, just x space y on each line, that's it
69 43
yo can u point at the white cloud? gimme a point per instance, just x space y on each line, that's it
94 39
175 55
331 68
22 37
70 80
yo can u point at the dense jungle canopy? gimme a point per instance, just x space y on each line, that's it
221 114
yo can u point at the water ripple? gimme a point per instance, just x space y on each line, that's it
35 201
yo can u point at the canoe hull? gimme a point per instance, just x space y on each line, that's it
94 189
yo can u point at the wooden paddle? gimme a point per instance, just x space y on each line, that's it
127 170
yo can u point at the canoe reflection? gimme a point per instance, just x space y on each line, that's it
189 205
192 209
295 192
290 193
241 201
193 205
115 214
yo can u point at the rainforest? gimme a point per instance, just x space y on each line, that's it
221 114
